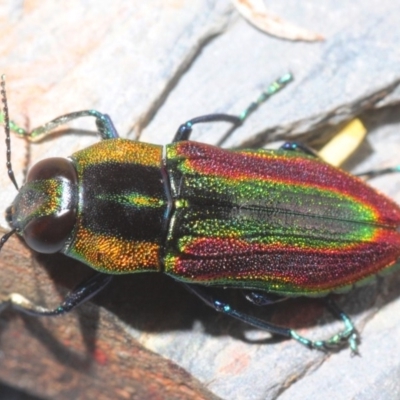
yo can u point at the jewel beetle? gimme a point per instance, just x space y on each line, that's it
271 222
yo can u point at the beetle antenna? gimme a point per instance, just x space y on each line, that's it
7 131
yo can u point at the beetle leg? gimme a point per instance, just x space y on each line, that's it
262 298
295 146
378 172
104 125
79 295
348 335
225 308
184 131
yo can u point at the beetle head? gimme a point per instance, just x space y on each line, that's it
44 211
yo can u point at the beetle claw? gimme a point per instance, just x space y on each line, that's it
346 337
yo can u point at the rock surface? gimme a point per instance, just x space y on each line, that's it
152 66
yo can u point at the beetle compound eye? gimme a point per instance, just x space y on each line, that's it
48 234
52 168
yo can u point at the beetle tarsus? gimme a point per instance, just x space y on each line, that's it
79 295
348 336
272 89
335 342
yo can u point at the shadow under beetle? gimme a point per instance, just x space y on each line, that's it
272 222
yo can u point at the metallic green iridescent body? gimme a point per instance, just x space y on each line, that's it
281 221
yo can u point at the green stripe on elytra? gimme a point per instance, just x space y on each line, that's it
278 195
134 199
254 233
272 224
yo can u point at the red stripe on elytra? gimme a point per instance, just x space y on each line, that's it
220 247
306 269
